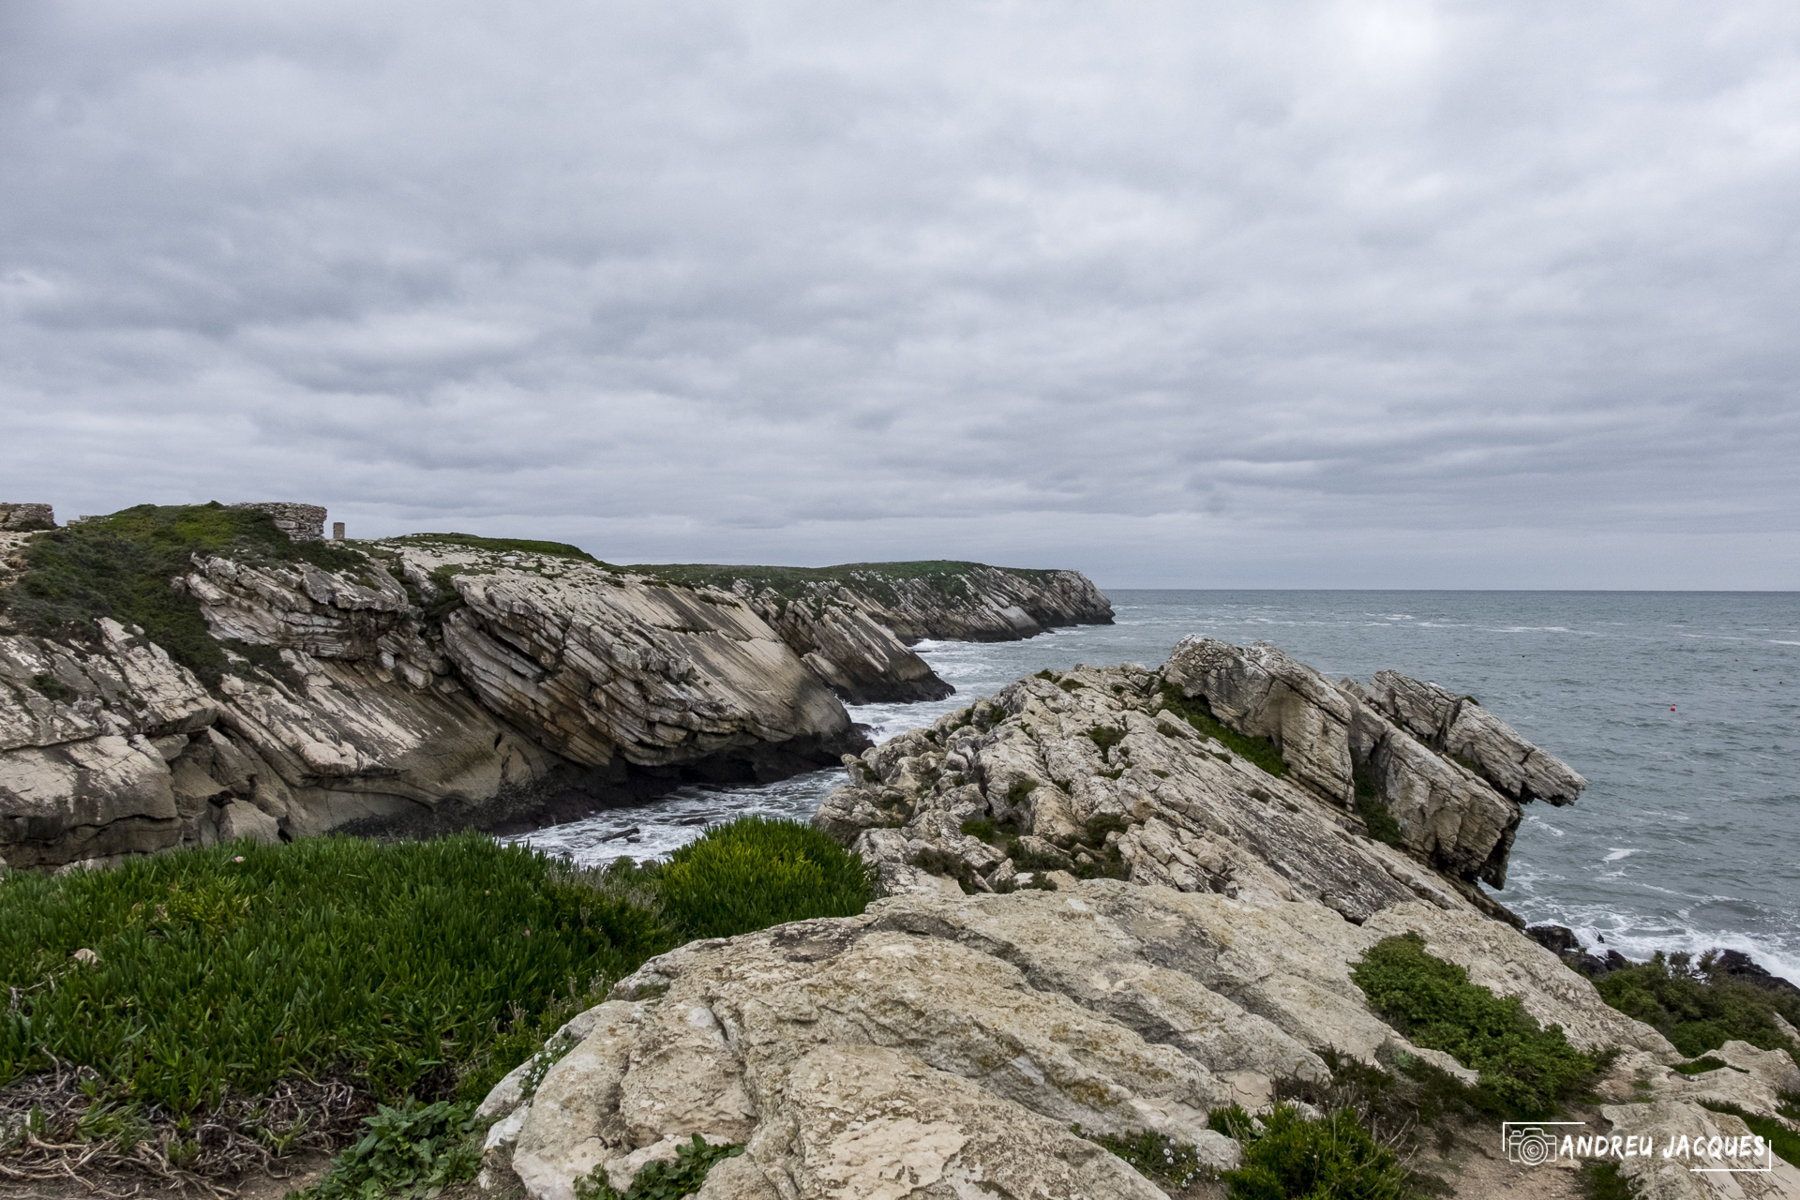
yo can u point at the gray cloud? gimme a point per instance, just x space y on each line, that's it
1309 294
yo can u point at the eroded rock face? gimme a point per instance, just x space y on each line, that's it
371 716
603 665
1093 773
1449 772
854 632
941 1042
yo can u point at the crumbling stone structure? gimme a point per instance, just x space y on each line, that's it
301 522
22 518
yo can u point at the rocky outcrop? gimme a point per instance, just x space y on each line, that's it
1449 772
1461 728
26 518
533 685
945 1044
852 624
1102 771
963 1035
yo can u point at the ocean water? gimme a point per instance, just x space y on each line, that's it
1681 708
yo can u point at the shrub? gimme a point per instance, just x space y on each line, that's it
1526 1071
661 1180
1198 713
1698 1007
1105 738
756 872
1293 1156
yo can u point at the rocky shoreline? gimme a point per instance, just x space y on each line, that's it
422 684
1119 900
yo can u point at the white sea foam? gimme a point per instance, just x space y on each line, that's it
1619 852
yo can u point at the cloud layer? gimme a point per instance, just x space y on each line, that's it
1294 295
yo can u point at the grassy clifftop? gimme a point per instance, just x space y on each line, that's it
945 576
123 566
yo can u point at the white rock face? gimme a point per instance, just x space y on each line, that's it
551 677
945 1042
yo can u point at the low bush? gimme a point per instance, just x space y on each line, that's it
1199 714
1526 1071
1698 1007
1288 1155
756 872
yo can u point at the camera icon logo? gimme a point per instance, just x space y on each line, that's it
1529 1145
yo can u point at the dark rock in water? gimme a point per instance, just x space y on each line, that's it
1557 938
1739 965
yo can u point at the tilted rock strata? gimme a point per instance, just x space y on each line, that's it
1452 774
945 1044
854 630
1090 768
546 681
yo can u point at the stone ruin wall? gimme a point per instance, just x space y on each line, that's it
19 518
301 522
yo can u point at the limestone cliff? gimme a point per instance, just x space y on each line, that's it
853 624
415 685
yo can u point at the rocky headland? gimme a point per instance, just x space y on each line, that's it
178 676
1119 902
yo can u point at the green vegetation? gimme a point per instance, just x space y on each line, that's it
1526 1071
1603 1181
756 872
874 580
1198 713
1020 790
1701 1066
1169 1161
502 545
413 971
1105 738
120 566
1698 1007
1784 1141
410 1150
661 1180
1375 814
1288 1155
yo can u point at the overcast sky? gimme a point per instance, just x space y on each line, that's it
1290 294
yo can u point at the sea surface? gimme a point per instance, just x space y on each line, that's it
1681 708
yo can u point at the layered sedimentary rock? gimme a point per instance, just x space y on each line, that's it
960 1037
1100 770
23 518
853 625
532 682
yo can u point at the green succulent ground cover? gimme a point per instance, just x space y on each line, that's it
1526 1071
418 972
121 566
